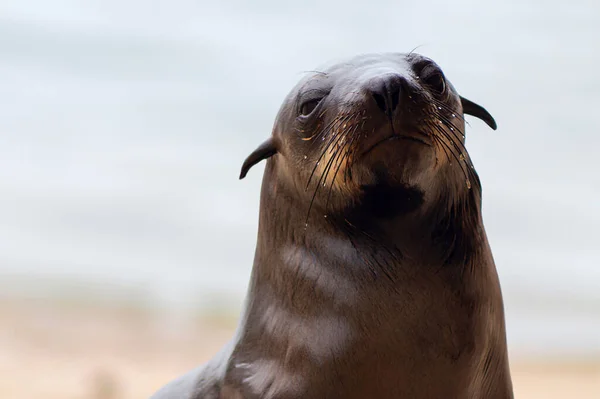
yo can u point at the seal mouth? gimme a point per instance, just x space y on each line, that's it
396 137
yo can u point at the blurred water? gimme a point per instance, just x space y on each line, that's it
124 123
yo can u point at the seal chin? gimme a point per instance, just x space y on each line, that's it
396 160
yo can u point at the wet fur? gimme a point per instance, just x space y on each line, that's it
372 277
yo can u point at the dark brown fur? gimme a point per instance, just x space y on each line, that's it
373 276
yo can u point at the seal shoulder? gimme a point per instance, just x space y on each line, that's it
200 382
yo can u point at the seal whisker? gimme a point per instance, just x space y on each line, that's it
411 52
336 137
341 162
466 171
336 151
448 121
447 108
452 148
452 111
454 129
437 140
350 229
332 129
458 144
355 149
339 120
320 132
375 240
359 253
321 156
315 71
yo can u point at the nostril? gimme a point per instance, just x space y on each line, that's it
386 93
394 92
380 100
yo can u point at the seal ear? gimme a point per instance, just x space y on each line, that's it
264 151
470 108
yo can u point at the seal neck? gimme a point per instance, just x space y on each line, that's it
336 288
438 233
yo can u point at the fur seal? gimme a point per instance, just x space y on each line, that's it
373 276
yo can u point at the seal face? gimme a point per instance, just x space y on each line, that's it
372 130
373 277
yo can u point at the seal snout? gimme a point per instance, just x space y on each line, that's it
386 91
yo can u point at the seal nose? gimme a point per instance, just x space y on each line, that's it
386 92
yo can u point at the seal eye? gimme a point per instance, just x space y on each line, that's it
309 106
435 81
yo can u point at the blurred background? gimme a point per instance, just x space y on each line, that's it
126 239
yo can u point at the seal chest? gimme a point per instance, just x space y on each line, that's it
372 277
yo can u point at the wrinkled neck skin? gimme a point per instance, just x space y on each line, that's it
350 299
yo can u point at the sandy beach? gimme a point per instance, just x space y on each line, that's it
67 351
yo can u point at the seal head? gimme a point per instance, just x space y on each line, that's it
371 132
